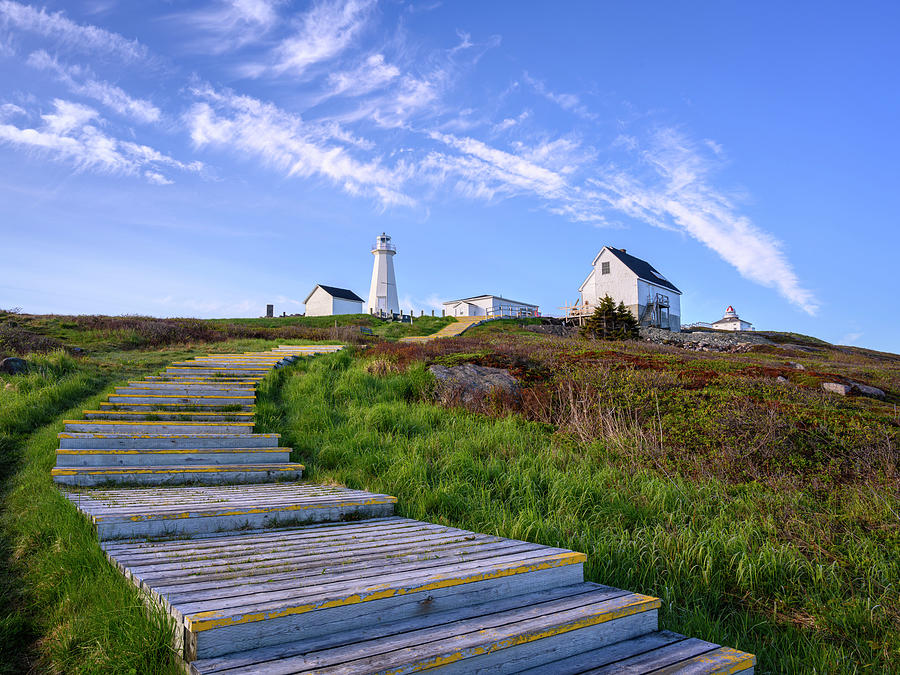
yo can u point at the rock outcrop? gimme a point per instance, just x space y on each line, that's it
469 382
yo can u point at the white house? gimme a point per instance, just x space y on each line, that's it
731 321
652 298
491 306
329 300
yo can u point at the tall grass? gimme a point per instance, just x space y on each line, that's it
808 583
63 607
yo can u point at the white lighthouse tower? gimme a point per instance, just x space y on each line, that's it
383 292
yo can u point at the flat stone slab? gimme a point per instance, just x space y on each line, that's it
187 511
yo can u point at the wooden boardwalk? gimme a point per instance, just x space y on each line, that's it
265 574
458 327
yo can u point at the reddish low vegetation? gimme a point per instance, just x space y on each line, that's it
723 415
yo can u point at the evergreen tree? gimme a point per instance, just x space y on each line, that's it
627 324
609 322
601 324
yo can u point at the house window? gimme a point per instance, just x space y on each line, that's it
604 268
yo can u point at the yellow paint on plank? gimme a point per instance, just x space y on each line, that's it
80 471
93 434
721 661
251 398
255 511
643 603
160 423
215 619
165 412
163 451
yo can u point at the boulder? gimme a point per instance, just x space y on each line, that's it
781 379
13 365
837 388
469 381
866 390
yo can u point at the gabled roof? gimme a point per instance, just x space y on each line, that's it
641 268
732 319
487 295
335 292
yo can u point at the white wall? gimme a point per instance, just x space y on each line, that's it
490 305
623 285
648 291
734 324
319 303
619 284
383 290
342 306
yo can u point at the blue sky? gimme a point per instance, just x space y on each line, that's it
205 158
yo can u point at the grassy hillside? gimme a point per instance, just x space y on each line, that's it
26 333
764 513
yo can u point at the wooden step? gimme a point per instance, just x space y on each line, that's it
189 511
658 652
113 441
245 591
170 456
219 474
213 370
156 427
191 399
176 407
187 389
209 379
214 415
501 636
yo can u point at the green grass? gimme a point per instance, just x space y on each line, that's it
63 607
806 581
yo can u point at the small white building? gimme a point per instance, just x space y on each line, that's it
330 300
653 299
731 321
490 306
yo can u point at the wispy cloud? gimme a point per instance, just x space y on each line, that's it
8 110
490 170
66 33
231 24
71 134
371 75
510 122
671 187
284 141
323 32
78 81
570 102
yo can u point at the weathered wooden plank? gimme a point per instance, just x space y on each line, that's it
217 565
336 532
114 440
259 658
656 659
282 628
248 586
596 655
721 661
149 457
252 607
447 644
222 473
